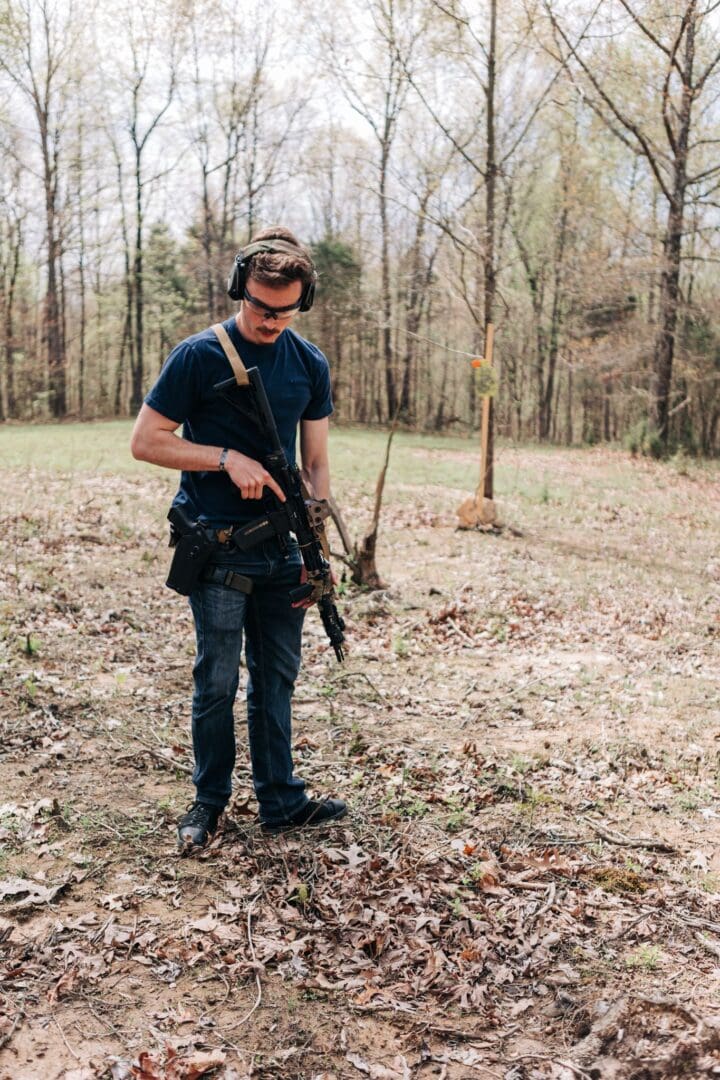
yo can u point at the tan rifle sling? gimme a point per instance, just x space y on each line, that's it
241 375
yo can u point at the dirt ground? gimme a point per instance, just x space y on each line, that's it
527 728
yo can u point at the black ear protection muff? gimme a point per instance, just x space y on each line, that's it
241 269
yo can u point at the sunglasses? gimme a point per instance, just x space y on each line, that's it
268 312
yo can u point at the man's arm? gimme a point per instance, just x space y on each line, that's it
154 439
314 456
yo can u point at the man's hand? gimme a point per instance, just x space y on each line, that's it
250 477
314 596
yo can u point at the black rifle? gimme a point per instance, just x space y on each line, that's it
299 515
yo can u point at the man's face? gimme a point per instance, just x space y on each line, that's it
266 311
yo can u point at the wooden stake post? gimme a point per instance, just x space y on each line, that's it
479 511
485 419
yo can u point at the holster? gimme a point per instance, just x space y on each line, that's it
193 543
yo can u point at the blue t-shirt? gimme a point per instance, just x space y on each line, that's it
296 377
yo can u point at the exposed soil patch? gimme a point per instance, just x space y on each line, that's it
527 729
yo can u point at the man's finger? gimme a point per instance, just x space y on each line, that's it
274 486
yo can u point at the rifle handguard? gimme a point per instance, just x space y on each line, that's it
313 590
302 592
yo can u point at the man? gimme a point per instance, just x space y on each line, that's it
224 484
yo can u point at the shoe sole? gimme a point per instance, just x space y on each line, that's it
277 830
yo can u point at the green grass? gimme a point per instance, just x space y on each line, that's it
83 448
542 475
645 958
357 454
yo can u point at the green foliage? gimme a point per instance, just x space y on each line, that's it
645 958
700 337
644 439
400 645
338 307
338 269
456 821
31 645
30 687
163 257
413 808
171 290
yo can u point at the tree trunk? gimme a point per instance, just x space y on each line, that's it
52 320
365 569
81 268
9 324
490 194
668 317
386 298
138 373
207 246
672 245
555 317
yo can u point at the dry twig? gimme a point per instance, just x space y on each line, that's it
258 983
647 842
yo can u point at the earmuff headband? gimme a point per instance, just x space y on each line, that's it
241 269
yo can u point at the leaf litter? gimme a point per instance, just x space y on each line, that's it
529 882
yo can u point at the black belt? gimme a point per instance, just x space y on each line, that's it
220 575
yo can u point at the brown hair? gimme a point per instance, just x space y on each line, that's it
279 268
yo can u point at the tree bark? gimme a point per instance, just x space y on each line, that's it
672 244
138 372
52 327
490 226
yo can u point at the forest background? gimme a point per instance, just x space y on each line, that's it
550 168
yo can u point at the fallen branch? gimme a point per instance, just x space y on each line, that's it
64 1039
701 924
611 837
628 927
359 675
461 633
19 1017
145 749
258 983
187 769
710 946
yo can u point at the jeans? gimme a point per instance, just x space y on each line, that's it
272 630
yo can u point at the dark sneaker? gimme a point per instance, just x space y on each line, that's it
197 826
312 813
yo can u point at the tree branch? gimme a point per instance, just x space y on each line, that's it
653 37
649 152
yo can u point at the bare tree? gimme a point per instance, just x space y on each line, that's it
546 268
376 87
486 143
222 99
144 83
36 40
13 218
683 43
140 131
